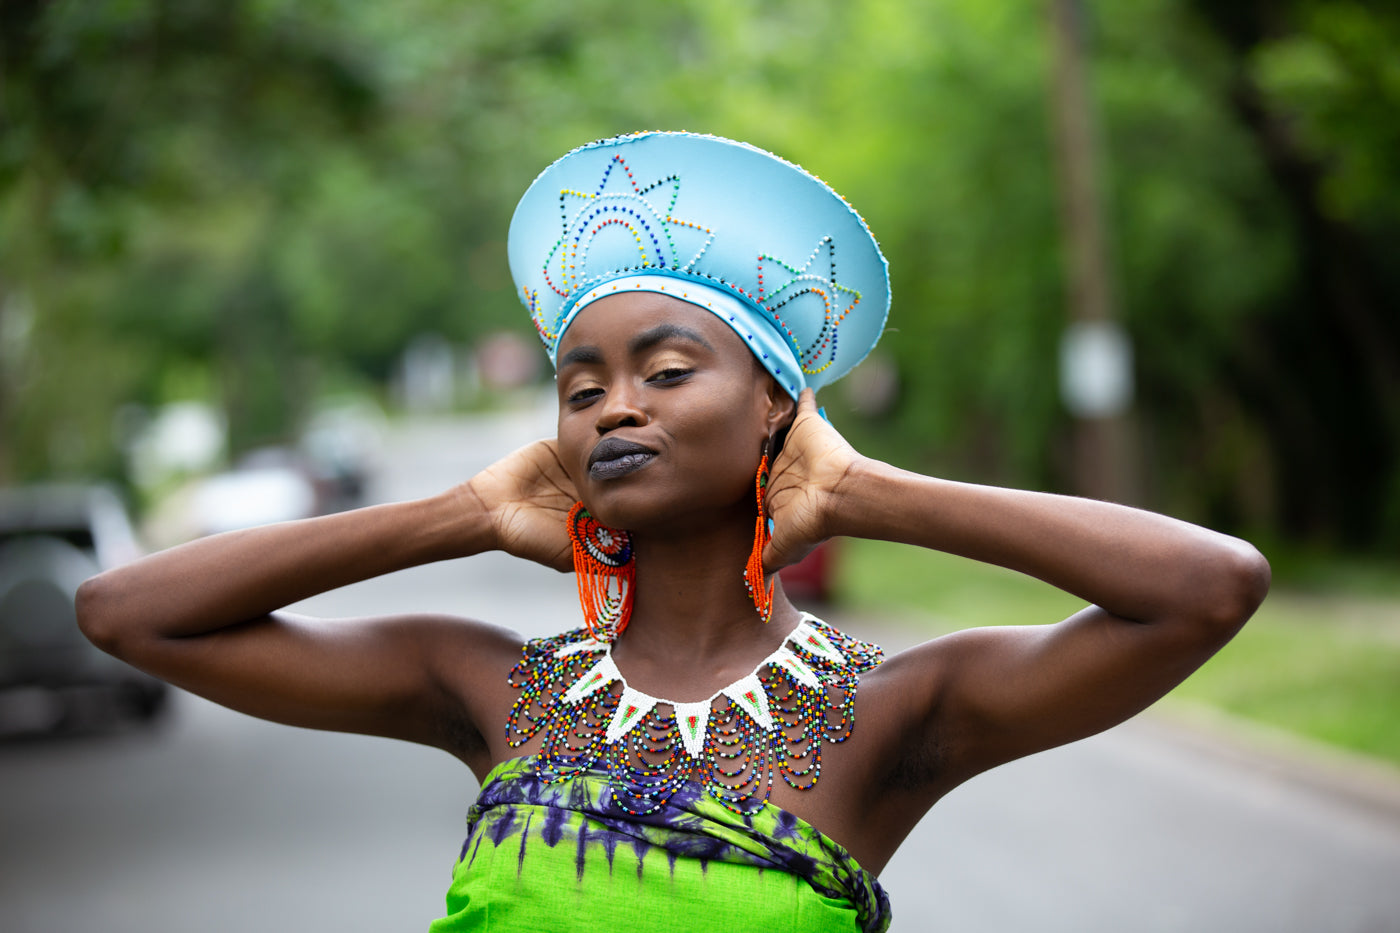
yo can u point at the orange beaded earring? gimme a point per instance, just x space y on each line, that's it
753 571
606 573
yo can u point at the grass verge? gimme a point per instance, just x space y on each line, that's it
1320 659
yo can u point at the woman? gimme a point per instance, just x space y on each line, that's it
698 727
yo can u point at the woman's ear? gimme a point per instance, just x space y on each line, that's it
782 408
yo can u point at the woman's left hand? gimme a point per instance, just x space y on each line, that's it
804 485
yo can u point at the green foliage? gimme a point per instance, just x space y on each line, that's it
1339 77
280 196
1317 368
951 592
1324 667
1320 659
156 149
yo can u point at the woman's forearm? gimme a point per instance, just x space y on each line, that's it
1135 564
215 582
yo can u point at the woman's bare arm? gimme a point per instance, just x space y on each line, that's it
207 615
1164 595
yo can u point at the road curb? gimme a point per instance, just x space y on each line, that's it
1361 781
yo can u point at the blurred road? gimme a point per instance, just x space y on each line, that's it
220 823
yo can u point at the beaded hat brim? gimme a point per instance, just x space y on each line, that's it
720 224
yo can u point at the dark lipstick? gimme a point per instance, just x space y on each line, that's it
614 457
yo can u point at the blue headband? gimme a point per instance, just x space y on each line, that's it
723 225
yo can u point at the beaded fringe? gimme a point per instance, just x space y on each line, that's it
605 572
753 570
808 703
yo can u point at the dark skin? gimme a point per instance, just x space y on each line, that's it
1162 595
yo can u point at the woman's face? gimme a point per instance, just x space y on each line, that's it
662 411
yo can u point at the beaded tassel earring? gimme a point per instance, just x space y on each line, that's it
606 573
753 571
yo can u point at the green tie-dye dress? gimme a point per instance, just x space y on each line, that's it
564 856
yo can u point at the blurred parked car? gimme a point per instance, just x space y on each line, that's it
340 445
52 538
271 484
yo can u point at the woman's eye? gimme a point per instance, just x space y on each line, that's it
670 374
583 395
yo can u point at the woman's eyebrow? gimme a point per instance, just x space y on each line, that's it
585 354
663 332
588 354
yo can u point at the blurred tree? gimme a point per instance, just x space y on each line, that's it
262 198
283 194
1317 86
149 154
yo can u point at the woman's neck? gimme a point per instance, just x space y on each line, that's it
694 628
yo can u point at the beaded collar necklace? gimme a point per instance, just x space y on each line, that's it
773 719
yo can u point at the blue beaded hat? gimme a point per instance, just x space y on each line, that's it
761 243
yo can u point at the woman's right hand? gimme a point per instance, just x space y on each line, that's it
804 490
527 497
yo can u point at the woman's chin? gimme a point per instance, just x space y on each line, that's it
618 506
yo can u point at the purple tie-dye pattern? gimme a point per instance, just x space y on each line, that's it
475 845
503 828
786 826
524 838
692 827
581 860
553 829
610 841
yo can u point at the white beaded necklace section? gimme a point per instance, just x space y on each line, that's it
747 693
773 721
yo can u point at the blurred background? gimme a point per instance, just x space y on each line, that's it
252 251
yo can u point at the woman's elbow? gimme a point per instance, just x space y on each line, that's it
1241 577
97 619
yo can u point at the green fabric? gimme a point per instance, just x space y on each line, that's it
560 856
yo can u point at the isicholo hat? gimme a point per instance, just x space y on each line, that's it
761 243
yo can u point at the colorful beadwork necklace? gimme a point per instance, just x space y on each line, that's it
773 719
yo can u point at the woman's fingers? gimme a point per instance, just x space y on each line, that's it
528 495
802 490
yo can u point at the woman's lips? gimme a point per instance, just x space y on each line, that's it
614 457
619 466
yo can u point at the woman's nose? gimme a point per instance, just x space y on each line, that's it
621 407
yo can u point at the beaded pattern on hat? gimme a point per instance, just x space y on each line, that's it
655 233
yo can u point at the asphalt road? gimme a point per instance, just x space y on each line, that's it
216 822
